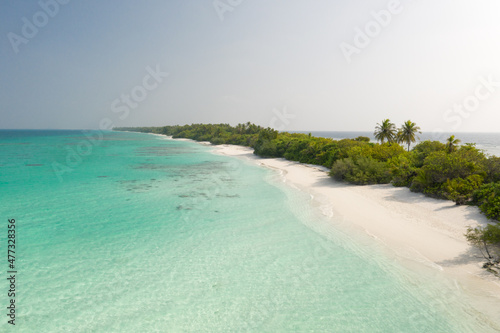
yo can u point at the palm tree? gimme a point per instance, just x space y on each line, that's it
406 134
385 131
451 143
240 128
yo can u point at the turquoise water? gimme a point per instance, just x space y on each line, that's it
131 232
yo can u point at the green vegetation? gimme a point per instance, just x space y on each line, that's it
451 144
487 197
407 133
440 168
463 173
243 134
361 170
487 240
385 131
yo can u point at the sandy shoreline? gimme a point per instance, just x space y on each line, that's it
428 231
413 227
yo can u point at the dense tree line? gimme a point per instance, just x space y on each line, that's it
462 173
242 134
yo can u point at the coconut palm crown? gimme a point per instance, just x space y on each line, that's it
452 143
407 133
385 131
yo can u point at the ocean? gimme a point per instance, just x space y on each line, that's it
131 232
488 142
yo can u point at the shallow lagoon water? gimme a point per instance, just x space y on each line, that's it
145 234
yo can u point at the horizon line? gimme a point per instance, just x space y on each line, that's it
97 129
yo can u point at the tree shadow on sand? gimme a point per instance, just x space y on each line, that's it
471 256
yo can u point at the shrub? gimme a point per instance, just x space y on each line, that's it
342 168
487 239
440 166
294 149
402 170
266 149
266 143
328 155
493 169
361 171
461 190
487 197
351 148
386 151
424 183
217 141
424 149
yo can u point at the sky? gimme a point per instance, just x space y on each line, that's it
292 65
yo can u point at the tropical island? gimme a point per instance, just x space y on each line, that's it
461 173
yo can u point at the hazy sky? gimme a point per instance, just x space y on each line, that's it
292 65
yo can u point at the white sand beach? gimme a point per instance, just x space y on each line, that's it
427 231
